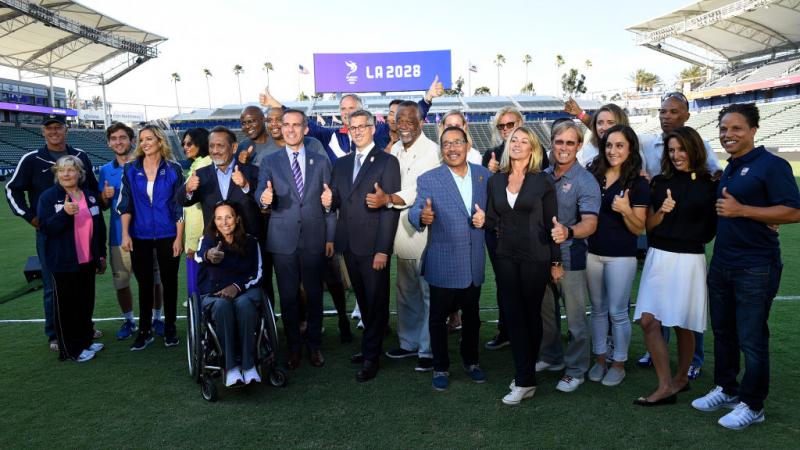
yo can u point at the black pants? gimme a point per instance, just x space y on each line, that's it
74 305
491 248
443 302
290 271
521 285
266 265
168 265
372 293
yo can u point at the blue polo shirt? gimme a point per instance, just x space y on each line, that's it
112 172
758 178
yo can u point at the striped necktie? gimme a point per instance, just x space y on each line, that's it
357 165
298 175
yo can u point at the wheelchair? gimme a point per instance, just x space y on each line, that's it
205 355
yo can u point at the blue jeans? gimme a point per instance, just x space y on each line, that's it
740 300
47 287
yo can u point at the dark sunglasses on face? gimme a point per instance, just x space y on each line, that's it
506 126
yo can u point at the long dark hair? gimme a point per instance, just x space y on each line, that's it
239 244
692 144
199 138
630 169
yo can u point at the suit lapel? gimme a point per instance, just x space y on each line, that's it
287 172
478 187
369 158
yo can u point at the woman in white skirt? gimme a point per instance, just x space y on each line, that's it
672 291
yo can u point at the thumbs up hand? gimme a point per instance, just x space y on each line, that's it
70 207
244 157
215 255
559 232
493 166
108 191
427 213
266 196
669 203
326 197
238 178
479 218
728 206
435 90
377 200
192 183
622 203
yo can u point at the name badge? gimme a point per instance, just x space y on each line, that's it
94 210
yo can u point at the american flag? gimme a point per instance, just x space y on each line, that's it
302 69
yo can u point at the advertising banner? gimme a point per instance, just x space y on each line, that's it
380 72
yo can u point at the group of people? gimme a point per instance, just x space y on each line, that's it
326 208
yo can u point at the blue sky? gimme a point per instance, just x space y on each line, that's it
217 35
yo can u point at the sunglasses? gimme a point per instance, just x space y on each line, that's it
677 96
506 126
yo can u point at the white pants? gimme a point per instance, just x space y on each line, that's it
610 280
413 308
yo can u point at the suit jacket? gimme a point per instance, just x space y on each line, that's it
454 257
208 195
297 223
361 230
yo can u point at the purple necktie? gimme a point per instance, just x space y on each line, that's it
298 175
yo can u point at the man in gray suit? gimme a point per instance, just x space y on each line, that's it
300 233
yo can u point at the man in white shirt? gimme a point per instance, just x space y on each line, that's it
417 154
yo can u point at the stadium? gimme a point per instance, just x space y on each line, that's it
748 51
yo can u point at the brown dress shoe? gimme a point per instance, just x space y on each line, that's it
294 361
316 359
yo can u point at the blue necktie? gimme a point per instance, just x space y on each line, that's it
298 175
357 166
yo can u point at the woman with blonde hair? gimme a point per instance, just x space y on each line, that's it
152 220
520 208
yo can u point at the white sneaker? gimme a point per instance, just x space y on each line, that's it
613 377
360 325
233 376
741 417
568 383
715 400
96 347
251 376
518 394
356 313
543 365
85 356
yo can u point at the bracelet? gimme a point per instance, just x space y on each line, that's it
581 115
570 233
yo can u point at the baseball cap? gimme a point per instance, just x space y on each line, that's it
47 119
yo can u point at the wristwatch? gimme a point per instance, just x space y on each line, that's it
570 233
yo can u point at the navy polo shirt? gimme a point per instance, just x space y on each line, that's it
612 237
758 178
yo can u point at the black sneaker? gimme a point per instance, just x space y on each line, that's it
424 365
171 339
143 339
497 342
400 353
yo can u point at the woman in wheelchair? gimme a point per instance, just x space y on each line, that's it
230 269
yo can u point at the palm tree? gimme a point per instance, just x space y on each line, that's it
267 67
559 61
238 69
644 80
588 64
176 78
302 96
499 60
208 75
72 99
483 90
526 60
528 89
694 75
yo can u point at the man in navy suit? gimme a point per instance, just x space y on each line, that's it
450 201
225 179
365 236
300 233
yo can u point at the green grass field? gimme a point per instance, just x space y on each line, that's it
147 400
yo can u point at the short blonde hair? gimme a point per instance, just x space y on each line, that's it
537 154
69 161
164 148
455 112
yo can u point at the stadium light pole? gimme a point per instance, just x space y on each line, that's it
208 75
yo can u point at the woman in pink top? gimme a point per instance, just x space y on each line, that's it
75 233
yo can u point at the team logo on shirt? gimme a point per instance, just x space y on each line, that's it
566 187
745 170
162 172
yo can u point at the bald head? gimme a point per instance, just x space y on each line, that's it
252 119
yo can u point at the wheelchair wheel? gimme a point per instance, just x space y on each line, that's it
278 377
193 338
271 327
208 389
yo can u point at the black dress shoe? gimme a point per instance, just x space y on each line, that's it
642 401
367 372
357 358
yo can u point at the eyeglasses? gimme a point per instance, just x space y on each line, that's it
677 96
188 143
506 126
360 128
450 144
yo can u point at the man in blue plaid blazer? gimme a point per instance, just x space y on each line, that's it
450 201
